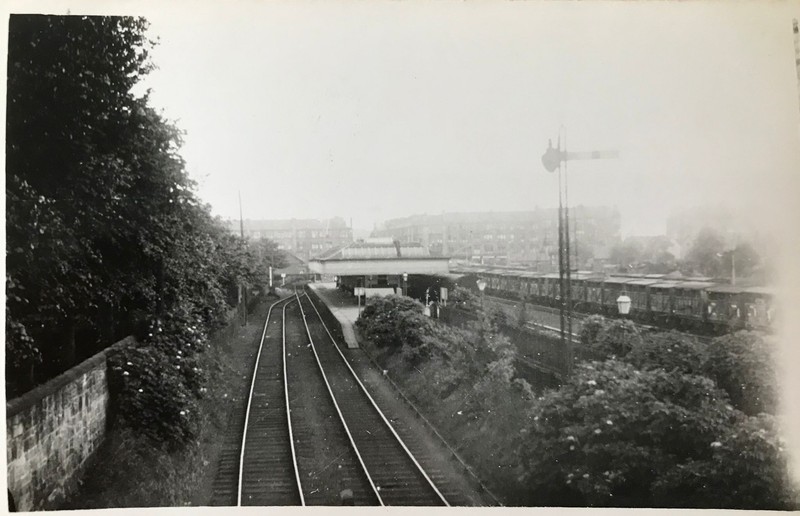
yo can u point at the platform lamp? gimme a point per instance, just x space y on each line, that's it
405 283
481 286
624 304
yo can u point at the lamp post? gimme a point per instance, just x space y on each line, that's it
405 284
552 161
624 304
427 310
481 286
733 265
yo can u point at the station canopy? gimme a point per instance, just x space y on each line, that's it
377 256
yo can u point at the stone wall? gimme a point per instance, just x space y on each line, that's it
54 429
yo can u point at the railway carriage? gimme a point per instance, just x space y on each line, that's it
613 287
661 301
689 304
594 293
639 292
723 310
696 304
552 293
758 304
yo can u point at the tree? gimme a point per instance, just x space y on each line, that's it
69 108
626 253
702 254
742 364
611 433
104 230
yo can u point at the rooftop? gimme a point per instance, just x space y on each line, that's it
376 249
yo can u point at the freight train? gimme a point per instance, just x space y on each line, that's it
699 305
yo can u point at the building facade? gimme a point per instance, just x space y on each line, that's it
304 238
528 238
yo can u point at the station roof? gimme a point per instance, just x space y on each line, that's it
377 249
644 282
379 256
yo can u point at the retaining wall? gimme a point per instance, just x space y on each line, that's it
53 430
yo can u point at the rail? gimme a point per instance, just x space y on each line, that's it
288 408
336 405
419 414
377 409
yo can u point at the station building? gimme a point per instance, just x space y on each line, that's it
379 266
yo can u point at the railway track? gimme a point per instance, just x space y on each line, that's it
397 476
311 434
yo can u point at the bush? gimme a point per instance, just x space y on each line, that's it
615 339
748 470
670 351
393 322
160 380
591 328
464 299
607 435
153 398
742 364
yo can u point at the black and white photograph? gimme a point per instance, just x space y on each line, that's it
277 254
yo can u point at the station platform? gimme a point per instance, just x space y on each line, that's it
343 306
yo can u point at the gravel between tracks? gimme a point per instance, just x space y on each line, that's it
455 483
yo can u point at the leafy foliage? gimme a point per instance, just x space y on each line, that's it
671 351
465 299
747 470
394 322
615 339
612 431
105 234
160 380
742 364
590 329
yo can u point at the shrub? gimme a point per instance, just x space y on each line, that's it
748 470
393 322
160 380
153 397
465 299
615 339
591 328
671 351
611 431
742 364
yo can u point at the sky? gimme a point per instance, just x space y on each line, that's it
376 110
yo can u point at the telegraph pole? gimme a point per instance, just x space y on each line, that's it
241 232
552 160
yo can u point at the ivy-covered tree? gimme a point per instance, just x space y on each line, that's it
69 114
105 235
